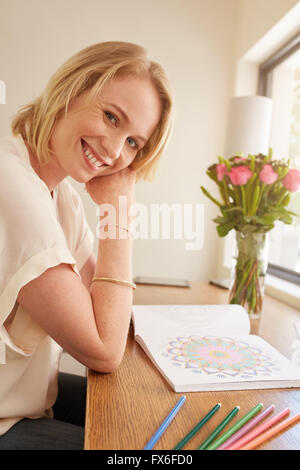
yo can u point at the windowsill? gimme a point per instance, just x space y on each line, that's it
285 291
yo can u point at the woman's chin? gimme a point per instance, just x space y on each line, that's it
80 177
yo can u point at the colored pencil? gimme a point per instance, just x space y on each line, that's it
235 427
165 424
270 433
219 428
245 429
197 427
251 435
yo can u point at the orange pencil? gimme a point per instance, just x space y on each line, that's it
258 430
270 433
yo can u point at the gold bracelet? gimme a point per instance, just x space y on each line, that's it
119 226
116 281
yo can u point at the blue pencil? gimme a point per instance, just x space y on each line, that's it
165 424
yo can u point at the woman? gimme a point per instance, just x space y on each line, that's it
104 120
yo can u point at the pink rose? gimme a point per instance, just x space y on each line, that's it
239 159
239 175
291 181
221 171
267 174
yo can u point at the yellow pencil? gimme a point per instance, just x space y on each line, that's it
270 433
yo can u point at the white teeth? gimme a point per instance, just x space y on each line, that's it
91 158
88 154
86 151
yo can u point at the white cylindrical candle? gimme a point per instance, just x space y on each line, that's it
249 125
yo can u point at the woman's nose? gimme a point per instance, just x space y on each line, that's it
112 147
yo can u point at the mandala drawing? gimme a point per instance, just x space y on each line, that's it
221 357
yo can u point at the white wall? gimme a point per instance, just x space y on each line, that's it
263 26
198 44
273 23
256 18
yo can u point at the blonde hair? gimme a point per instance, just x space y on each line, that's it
88 71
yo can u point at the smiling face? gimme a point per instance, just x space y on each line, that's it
105 138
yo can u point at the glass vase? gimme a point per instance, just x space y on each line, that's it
249 272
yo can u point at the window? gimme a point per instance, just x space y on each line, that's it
279 79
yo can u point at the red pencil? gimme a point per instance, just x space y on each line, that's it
266 435
258 430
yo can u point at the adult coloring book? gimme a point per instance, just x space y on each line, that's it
208 347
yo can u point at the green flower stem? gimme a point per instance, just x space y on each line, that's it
248 191
268 189
254 205
224 192
252 304
282 197
226 195
282 172
249 271
252 165
260 195
242 281
244 204
248 185
237 196
286 200
211 197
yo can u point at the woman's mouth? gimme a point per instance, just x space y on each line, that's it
90 157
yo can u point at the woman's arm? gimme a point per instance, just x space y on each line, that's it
87 272
92 325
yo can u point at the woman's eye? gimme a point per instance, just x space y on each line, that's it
111 117
132 143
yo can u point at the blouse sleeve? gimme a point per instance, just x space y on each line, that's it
80 237
31 237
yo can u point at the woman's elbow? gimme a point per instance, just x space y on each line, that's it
108 366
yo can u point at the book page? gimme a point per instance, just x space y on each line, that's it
158 320
200 348
195 363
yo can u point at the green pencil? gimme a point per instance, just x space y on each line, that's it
235 427
197 427
219 428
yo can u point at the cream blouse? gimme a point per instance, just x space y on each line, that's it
36 233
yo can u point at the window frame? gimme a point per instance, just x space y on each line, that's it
264 69
285 51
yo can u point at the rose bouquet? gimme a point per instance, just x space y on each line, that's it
255 192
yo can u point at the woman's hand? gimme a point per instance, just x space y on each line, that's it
107 189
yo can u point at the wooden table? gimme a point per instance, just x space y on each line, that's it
126 407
